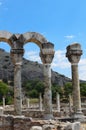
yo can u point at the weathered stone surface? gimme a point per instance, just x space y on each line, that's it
26 123
74 53
73 126
36 128
49 127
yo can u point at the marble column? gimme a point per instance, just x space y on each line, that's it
47 93
74 53
47 54
16 55
3 102
58 102
28 102
17 89
70 103
40 102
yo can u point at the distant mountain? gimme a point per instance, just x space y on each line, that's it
30 70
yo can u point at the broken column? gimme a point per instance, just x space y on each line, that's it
74 53
58 102
47 54
17 54
40 102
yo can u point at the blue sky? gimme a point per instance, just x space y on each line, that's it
62 22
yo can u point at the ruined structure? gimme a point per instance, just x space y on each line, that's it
74 53
17 42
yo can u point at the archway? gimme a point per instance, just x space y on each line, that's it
46 54
17 42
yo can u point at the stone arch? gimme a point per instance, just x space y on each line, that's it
5 37
34 37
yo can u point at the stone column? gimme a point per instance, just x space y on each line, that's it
28 102
40 102
48 93
17 89
3 102
74 53
70 103
47 54
17 60
58 102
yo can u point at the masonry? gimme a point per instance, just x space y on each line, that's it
18 121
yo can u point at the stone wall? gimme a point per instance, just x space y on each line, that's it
26 123
33 113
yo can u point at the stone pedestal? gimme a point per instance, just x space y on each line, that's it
74 53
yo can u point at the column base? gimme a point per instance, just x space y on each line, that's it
48 116
79 114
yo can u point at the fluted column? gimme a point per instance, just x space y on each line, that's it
74 53
47 54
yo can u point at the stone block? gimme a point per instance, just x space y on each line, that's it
36 128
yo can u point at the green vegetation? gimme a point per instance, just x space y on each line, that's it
6 92
32 89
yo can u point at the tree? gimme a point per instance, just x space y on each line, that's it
5 92
32 88
83 89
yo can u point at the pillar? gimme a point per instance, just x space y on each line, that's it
47 93
28 102
47 54
3 102
17 89
70 103
74 53
40 102
58 102
17 61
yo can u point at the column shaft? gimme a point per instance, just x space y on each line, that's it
17 89
40 102
76 89
48 93
58 102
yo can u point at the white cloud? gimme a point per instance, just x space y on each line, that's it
69 37
82 69
32 55
60 62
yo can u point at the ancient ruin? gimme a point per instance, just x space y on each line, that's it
47 118
17 42
74 53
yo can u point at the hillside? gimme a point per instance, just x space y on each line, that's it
30 70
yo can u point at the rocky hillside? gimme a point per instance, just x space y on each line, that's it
30 70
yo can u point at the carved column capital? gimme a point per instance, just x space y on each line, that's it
47 53
16 56
74 53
